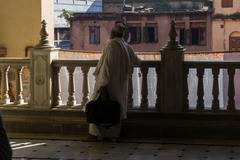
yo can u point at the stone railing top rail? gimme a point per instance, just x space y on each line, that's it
211 64
90 62
201 55
75 62
14 60
210 52
152 53
100 52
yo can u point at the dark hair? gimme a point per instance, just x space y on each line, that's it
118 34
120 21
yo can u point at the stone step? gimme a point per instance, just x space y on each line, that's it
139 125
62 122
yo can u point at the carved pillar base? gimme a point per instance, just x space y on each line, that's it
41 76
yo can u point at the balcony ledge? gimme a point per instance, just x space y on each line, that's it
140 125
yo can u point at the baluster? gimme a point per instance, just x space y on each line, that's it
144 92
19 85
71 87
57 101
231 90
30 101
158 91
130 91
4 84
85 88
215 90
200 91
186 92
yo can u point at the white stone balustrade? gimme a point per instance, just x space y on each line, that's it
149 84
15 65
228 82
85 66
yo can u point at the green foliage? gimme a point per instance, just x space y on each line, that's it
67 15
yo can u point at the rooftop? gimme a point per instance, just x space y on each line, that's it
114 16
162 5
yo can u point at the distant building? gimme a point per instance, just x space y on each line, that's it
226 25
148 23
147 31
62 28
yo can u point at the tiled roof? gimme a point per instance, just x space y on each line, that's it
166 5
115 16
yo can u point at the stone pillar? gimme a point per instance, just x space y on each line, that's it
41 72
171 73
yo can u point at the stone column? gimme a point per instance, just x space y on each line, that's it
171 73
41 72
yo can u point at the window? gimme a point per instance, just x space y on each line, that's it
134 33
198 36
195 36
94 34
182 36
227 3
62 37
150 34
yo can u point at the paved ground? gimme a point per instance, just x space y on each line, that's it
26 149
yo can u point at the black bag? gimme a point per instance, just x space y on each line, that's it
103 112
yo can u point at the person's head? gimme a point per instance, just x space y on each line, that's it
118 30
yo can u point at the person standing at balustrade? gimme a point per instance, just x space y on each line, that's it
5 148
112 75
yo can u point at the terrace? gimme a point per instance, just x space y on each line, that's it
163 105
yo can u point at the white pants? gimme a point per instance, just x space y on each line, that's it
111 132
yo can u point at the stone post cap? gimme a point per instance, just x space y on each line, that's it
173 33
173 44
43 42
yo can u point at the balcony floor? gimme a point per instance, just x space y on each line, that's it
26 149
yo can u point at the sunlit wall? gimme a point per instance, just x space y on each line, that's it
21 22
225 23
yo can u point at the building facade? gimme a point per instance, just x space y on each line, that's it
147 31
61 26
226 25
148 24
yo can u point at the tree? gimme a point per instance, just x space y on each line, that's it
67 15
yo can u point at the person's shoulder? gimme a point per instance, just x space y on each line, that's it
130 48
113 42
